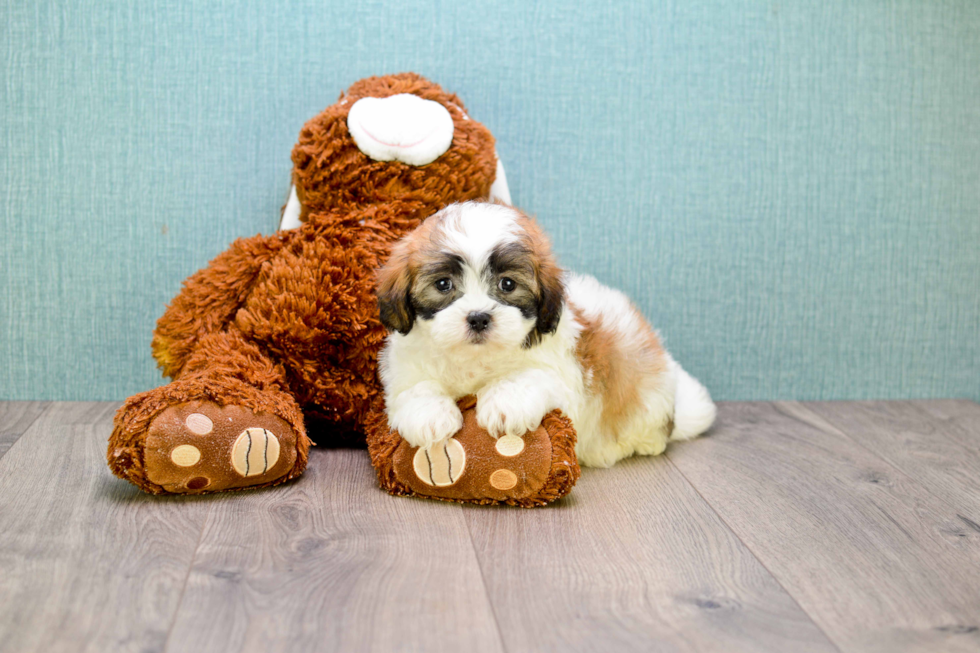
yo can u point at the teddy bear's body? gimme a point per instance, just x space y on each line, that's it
287 324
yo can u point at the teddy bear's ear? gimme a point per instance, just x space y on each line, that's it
394 288
499 191
289 218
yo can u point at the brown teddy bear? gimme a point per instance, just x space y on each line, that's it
278 337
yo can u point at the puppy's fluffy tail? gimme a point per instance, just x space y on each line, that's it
694 412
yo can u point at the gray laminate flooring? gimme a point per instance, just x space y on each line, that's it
790 527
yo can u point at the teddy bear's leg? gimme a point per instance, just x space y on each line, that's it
227 422
209 299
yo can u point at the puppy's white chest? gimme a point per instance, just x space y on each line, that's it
468 377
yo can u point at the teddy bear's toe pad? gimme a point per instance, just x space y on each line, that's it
203 447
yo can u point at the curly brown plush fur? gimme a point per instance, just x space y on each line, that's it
288 324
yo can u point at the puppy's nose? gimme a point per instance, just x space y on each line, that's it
479 321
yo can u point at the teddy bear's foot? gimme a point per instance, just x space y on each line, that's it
199 446
473 467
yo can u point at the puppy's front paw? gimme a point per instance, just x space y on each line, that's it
423 421
509 409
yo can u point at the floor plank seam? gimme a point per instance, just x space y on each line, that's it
885 461
44 411
183 588
754 554
483 581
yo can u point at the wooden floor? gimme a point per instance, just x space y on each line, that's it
791 527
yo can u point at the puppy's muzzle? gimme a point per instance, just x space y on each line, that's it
479 321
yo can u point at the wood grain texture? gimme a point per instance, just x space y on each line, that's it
632 560
331 563
874 558
15 417
89 562
935 442
849 527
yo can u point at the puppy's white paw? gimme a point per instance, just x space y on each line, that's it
423 421
509 408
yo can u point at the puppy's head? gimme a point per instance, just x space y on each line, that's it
473 274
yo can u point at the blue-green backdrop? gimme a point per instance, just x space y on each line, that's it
789 189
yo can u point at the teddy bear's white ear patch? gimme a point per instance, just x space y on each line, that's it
290 214
401 127
499 189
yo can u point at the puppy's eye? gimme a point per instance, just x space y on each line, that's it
444 285
507 284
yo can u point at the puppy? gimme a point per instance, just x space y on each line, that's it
476 304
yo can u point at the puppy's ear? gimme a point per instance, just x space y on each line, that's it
551 298
551 285
394 286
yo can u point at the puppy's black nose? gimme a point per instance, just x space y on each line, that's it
478 321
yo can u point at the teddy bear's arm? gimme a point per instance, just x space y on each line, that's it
209 299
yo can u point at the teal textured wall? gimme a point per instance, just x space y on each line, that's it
789 190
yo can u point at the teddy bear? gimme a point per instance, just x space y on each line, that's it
276 341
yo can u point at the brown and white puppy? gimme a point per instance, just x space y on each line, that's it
477 305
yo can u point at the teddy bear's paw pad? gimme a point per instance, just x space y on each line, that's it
203 447
474 466
503 479
509 445
254 452
442 464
